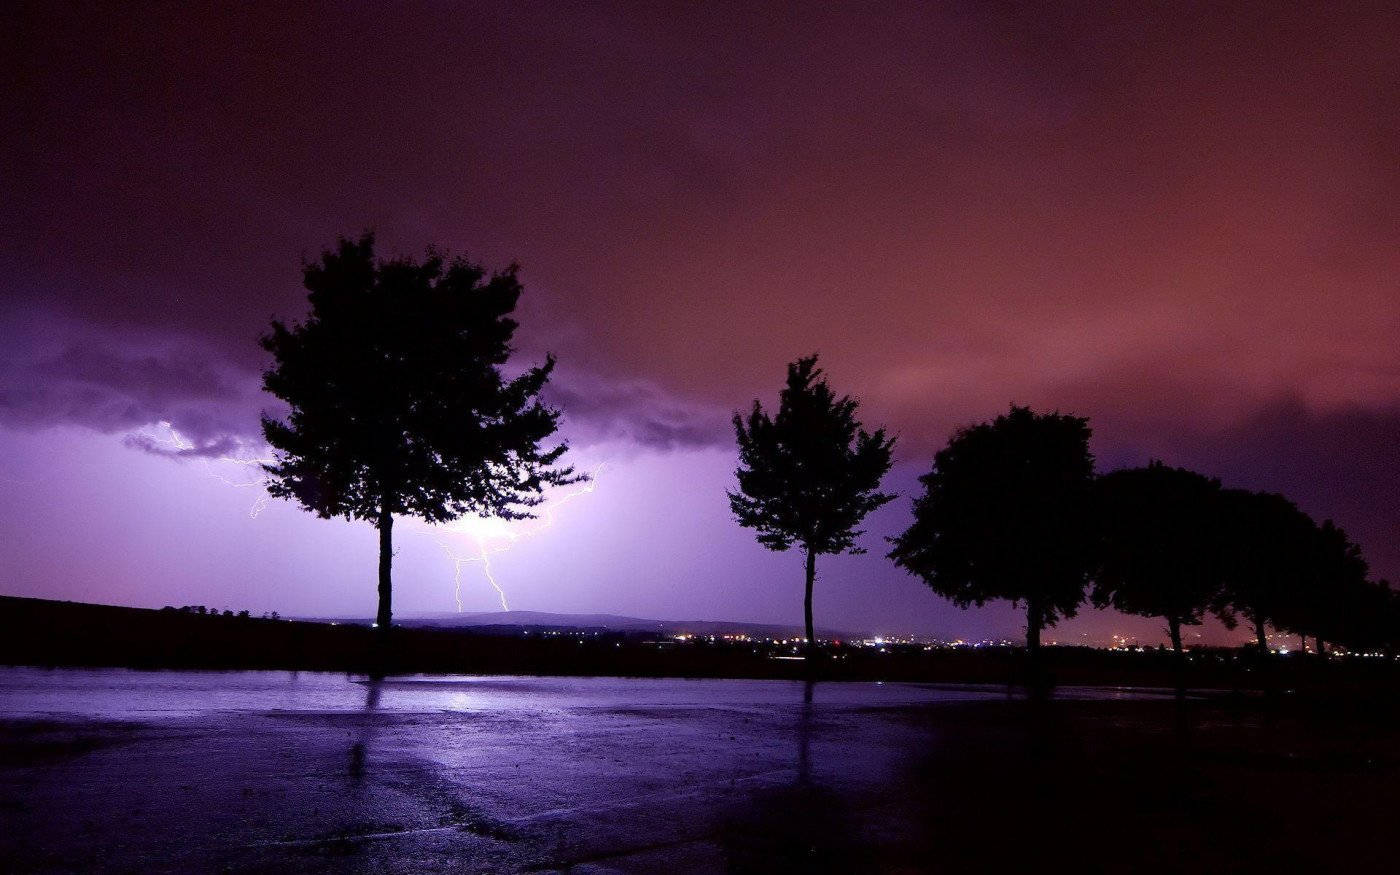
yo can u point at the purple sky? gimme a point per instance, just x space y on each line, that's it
1179 221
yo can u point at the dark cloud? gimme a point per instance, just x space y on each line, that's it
636 412
178 374
1163 217
76 375
70 374
221 447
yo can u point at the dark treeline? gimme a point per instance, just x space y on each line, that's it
399 404
1013 509
40 632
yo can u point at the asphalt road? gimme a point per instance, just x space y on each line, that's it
124 771
191 772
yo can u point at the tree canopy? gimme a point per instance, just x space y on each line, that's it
1330 600
1268 558
1161 546
1006 513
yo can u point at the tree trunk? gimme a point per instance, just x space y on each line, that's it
386 583
1174 627
1320 651
807 605
1263 641
1034 684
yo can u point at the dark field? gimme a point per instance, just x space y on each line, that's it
172 771
50 633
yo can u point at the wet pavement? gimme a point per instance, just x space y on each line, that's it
124 771
167 771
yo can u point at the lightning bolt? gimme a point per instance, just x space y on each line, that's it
167 435
484 557
490 536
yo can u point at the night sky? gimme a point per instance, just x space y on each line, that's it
1180 221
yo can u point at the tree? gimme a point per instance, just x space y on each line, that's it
1366 616
1006 513
1267 559
1330 600
1381 621
809 475
1160 546
398 406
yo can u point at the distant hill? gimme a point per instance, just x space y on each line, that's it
609 622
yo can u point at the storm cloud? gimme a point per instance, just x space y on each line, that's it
1178 220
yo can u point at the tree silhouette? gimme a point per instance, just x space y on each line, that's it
1330 600
1373 618
809 475
1006 513
397 402
1267 559
1160 547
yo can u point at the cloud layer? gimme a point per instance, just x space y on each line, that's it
1179 221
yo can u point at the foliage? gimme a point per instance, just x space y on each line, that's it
812 473
397 400
1161 551
1006 513
1327 598
1268 560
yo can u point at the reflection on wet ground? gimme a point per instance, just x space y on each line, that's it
114 770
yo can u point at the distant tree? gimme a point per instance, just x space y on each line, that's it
1369 612
1007 513
1160 548
1330 599
809 475
1386 618
398 403
1267 559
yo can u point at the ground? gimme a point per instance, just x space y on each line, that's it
172 772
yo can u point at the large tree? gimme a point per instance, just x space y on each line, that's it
1160 546
397 403
1006 513
809 475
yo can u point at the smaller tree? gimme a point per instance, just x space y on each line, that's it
1329 600
1367 617
1006 513
1384 623
1267 559
1160 546
809 475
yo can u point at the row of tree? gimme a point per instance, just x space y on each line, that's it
398 405
1013 510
